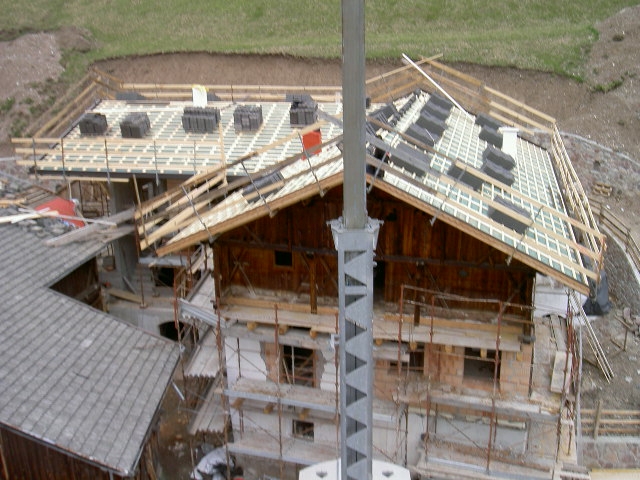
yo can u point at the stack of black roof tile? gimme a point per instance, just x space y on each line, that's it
135 125
200 119
303 110
465 176
505 219
247 117
498 165
410 159
490 130
93 124
269 183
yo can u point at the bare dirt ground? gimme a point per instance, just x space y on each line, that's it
600 115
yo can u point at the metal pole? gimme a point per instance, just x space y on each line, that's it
353 101
355 238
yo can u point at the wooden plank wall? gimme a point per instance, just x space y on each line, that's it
410 251
31 460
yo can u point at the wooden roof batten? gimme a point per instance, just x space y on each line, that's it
209 185
171 205
476 97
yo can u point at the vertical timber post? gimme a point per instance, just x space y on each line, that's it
355 237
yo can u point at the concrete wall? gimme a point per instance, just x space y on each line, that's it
148 319
396 436
416 427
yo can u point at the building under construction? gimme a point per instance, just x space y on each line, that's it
477 358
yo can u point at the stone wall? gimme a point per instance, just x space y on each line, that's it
515 371
611 452
623 284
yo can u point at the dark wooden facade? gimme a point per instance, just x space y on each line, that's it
26 458
294 249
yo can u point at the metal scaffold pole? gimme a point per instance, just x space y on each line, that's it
355 237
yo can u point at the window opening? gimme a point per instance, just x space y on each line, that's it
378 279
298 366
163 276
283 259
301 429
416 360
478 366
168 330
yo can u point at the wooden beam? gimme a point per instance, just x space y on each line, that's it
124 295
283 329
260 211
285 306
303 414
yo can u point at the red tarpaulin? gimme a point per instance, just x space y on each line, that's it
63 207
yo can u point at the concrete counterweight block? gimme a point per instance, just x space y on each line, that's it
135 125
93 124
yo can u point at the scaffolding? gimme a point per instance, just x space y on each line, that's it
278 408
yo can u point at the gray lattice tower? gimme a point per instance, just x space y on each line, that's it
355 239
355 265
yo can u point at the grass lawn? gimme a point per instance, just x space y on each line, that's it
551 35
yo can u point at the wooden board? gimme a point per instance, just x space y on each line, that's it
558 381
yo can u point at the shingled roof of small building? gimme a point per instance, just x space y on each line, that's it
73 377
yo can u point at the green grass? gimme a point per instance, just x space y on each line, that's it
539 34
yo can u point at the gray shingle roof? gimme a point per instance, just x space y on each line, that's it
72 376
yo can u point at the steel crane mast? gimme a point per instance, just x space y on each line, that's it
355 236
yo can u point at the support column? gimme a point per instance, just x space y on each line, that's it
355 263
355 237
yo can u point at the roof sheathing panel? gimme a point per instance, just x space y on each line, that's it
546 241
535 184
168 150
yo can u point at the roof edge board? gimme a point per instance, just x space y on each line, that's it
258 212
185 216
